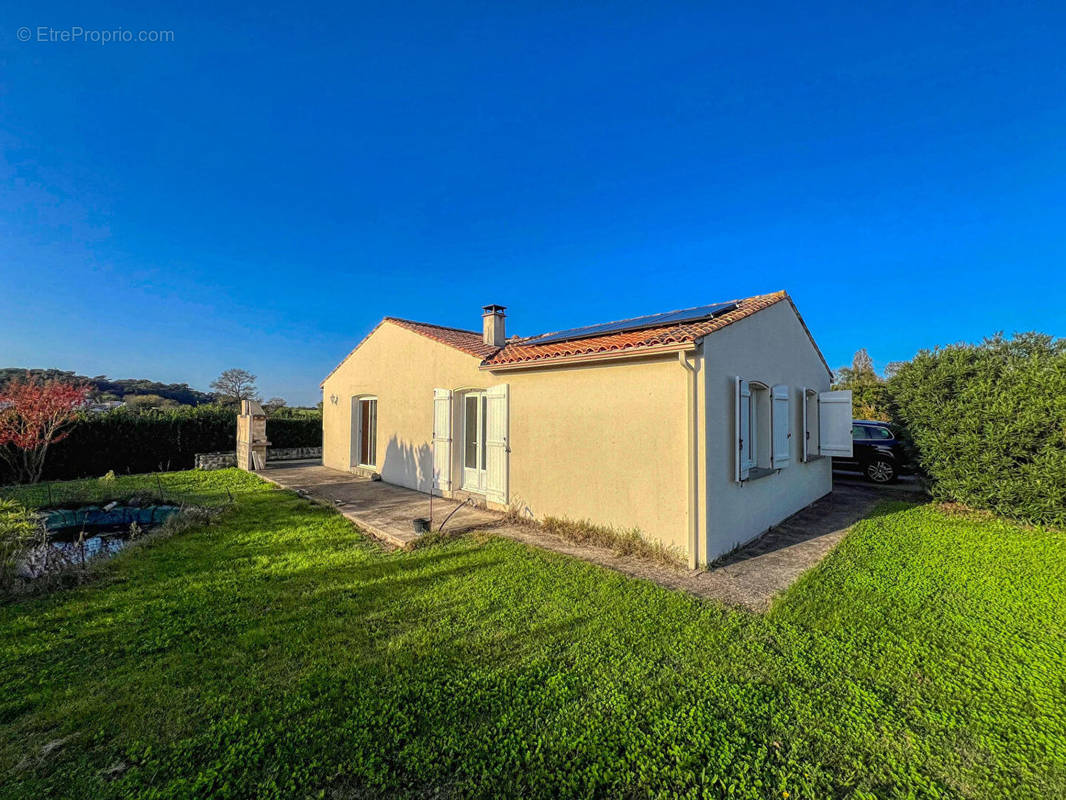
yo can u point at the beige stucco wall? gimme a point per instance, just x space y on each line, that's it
770 346
604 442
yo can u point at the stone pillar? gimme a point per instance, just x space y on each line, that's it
251 436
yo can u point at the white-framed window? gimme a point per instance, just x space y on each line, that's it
365 431
751 426
763 427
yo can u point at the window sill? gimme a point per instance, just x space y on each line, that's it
755 473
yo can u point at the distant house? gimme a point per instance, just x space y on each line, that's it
701 428
104 406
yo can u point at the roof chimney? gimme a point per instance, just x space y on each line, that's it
492 325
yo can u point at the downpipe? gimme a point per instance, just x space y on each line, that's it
693 454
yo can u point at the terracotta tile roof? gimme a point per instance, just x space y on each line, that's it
518 351
468 341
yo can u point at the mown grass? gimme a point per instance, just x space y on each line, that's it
277 653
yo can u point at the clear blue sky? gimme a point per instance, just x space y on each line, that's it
262 190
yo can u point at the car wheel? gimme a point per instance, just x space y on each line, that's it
881 471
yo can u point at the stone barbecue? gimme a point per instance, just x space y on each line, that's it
252 440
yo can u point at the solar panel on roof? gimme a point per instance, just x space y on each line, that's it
637 323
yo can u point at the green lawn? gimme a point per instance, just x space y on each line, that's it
276 653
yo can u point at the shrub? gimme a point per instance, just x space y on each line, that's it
18 529
35 415
988 423
295 431
125 441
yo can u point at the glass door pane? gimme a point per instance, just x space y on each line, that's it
368 410
483 429
372 448
471 428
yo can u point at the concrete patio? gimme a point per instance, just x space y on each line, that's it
380 509
749 577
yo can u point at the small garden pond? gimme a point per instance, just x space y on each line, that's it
78 535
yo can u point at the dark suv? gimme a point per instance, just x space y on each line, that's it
876 452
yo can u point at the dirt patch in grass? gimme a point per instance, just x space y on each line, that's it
970 514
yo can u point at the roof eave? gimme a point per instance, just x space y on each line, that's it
807 330
803 324
352 352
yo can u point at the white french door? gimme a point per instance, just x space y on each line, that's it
475 432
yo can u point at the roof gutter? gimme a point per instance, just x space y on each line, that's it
584 358
692 368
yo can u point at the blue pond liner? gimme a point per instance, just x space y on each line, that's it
95 518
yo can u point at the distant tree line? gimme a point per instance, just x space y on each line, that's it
47 430
232 386
103 388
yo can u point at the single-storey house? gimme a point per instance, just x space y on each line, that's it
701 428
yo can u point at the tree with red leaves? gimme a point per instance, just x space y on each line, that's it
34 415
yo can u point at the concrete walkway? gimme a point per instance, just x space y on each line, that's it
750 577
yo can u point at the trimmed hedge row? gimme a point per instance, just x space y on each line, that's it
159 440
988 423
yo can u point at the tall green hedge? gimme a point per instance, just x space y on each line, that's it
164 439
988 423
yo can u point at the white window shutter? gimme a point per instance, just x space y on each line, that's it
780 425
496 446
741 427
834 423
442 439
805 431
